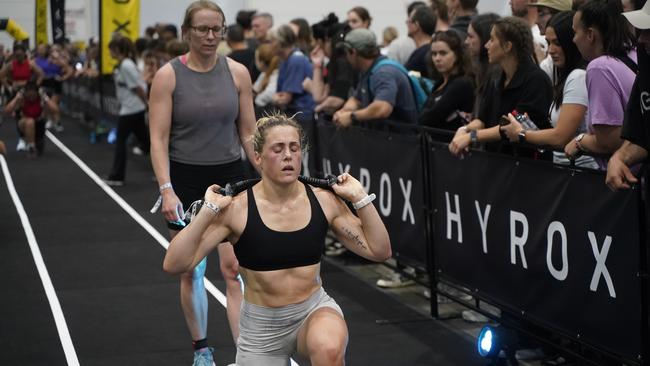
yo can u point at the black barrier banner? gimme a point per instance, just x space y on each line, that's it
390 166
57 11
82 95
553 245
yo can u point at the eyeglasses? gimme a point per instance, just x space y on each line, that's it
203 30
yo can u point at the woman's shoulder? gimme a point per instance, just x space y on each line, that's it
462 81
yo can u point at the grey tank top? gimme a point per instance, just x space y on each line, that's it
205 107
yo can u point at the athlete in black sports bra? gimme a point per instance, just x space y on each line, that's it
278 229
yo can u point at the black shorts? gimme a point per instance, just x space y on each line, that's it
53 86
191 181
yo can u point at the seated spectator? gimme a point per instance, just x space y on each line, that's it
453 97
570 101
461 13
291 96
266 84
521 86
29 106
239 50
420 24
359 17
478 34
382 93
606 42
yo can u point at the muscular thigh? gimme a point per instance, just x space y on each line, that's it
326 324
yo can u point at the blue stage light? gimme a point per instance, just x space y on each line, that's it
488 342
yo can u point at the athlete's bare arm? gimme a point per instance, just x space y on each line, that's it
206 230
365 235
160 122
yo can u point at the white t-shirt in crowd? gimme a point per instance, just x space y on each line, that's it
547 66
265 97
401 49
539 39
126 78
574 92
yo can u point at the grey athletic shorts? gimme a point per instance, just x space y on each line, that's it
269 336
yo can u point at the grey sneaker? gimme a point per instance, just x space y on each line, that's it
113 182
203 357
472 316
334 249
395 280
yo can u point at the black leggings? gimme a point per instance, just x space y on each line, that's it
190 181
127 124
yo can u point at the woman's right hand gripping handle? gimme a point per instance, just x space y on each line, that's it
172 207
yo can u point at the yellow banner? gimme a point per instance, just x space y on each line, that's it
118 16
16 31
41 22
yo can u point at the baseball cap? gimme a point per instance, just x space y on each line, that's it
639 18
560 5
360 39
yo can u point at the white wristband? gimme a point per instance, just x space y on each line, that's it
212 207
365 201
164 186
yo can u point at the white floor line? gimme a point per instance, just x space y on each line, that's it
209 286
55 306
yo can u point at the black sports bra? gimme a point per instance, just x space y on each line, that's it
262 249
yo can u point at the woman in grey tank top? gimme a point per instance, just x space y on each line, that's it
201 114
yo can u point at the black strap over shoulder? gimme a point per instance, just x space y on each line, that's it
630 63
236 188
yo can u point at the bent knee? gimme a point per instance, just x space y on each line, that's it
196 274
27 122
330 350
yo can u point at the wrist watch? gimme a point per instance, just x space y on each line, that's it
353 117
473 136
578 144
522 136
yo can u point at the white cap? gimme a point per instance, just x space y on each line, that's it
639 18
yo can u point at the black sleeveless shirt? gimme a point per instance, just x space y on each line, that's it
262 249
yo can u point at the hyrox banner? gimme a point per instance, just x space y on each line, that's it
57 11
389 165
118 17
552 245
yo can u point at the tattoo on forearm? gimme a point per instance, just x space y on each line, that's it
355 237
